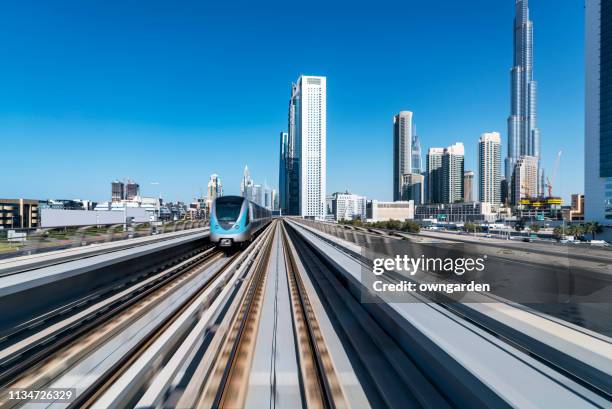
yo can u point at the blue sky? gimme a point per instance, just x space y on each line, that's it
171 92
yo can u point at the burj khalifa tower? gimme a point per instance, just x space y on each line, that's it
523 133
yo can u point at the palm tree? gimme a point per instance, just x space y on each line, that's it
593 228
575 230
534 227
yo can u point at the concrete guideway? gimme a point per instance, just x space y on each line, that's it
274 378
421 317
35 261
281 323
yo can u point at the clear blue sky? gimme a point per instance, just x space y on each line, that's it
173 91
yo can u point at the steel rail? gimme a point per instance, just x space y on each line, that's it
320 382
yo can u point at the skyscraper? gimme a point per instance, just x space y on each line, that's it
246 184
417 166
433 175
468 186
307 141
413 187
215 188
282 170
452 173
489 164
523 133
598 125
402 150
524 178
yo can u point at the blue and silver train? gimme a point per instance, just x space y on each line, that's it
234 220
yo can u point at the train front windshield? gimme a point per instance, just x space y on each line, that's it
228 209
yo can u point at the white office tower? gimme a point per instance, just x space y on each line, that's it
525 179
468 186
598 105
308 128
489 168
402 150
452 173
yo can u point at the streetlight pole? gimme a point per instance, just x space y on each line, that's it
158 205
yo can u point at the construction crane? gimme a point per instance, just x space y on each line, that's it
550 181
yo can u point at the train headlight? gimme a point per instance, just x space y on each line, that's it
216 226
236 226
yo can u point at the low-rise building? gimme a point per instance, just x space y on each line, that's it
19 214
576 211
347 206
384 211
456 212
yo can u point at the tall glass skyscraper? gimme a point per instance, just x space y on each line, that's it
282 170
523 133
417 166
598 113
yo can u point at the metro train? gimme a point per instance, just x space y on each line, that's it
234 220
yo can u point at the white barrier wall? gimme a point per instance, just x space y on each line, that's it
61 217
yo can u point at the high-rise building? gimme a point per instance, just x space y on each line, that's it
283 170
489 164
505 191
523 133
246 184
433 175
307 142
452 173
274 193
413 187
524 179
215 189
417 166
598 122
132 190
290 154
117 191
267 198
468 186
259 194
402 150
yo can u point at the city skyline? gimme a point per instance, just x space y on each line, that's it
60 127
